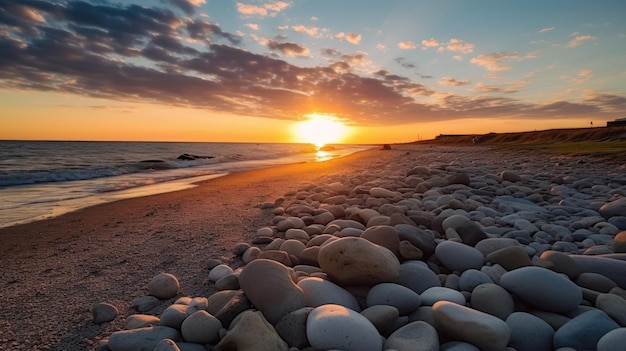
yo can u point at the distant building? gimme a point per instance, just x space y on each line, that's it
620 122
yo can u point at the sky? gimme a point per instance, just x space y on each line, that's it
251 70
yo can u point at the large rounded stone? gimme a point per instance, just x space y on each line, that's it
613 208
142 339
529 333
492 299
251 332
336 327
543 288
227 304
174 315
614 306
561 263
357 261
384 236
104 312
136 321
584 331
415 336
471 233
220 271
435 294
268 285
318 291
613 340
619 242
201 327
416 276
164 286
459 257
396 295
487 332
292 327
384 317
510 258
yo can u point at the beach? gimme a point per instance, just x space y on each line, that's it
54 271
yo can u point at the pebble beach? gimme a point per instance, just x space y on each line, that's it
421 247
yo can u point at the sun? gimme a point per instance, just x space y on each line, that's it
320 130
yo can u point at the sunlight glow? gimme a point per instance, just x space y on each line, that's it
320 130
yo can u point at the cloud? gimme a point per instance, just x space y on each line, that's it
543 30
447 81
492 61
288 49
269 9
407 45
585 73
188 6
430 43
143 54
353 38
579 40
350 37
461 46
252 26
311 31
484 88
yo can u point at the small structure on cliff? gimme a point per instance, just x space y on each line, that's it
620 122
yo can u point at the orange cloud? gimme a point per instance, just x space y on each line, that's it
407 45
461 46
452 82
579 40
492 61
430 43
311 31
353 38
270 9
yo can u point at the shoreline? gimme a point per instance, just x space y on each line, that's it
33 209
55 270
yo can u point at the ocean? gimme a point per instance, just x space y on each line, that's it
43 179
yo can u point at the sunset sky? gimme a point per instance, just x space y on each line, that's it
391 71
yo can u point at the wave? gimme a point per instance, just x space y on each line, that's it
31 177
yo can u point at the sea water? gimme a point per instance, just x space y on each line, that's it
42 179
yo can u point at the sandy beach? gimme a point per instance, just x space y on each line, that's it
54 271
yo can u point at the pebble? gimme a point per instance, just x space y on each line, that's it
492 299
529 333
251 332
458 256
164 286
426 243
201 327
319 292
613 340
415 336
104 312
584 331
271 290
485 331
356 261
339 328
135 321
543 288
141 339
402 298
437 293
